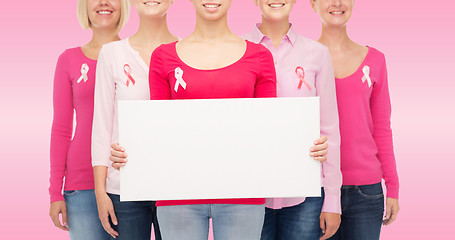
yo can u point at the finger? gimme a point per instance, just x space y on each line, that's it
319 153
117 166
393 216
321 139
320 159
329 231
64 217
322 224
56 220
119 154
319 147
107 226
116 159
117 147
387 215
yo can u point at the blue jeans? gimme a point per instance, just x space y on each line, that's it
135 219
83 220
300 222
362 212
230 221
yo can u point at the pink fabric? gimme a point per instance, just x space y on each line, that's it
251 76
366 137
70 159
298 57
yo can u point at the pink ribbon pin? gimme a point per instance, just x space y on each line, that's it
127 70
301 74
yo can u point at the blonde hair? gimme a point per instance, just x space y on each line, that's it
82 14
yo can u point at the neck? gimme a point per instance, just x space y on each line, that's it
275 30
207 30
335 38
151 31
101 37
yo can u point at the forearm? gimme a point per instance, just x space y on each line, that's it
100 174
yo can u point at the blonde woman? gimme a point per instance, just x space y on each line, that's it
70 158
122 74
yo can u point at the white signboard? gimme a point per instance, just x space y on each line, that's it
219 148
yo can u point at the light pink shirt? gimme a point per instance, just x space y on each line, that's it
121 74
294 54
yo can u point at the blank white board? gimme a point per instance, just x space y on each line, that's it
219 148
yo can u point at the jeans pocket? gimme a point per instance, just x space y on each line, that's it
70 193
373 191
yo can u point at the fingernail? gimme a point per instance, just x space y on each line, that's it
316 142
115 222
123 149
312 149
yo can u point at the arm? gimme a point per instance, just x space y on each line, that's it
266 80
332 180
381 112
158 81
62 128
103 118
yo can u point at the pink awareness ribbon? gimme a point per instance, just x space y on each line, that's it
127 70
84 71
301 74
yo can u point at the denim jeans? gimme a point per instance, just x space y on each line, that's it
362 212
83 220
300 222
135 219
230 221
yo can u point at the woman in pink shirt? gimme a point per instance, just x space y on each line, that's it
74 84
366 137
304 69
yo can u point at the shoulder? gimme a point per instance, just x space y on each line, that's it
70 53
259 50
315 46
114 47
164 50
375 55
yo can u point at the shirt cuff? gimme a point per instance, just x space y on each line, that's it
392 191
332 204
57 197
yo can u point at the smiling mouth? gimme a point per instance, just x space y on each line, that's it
211 5
104 12
276 5
337 13
153 4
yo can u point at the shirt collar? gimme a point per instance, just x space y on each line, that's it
258 36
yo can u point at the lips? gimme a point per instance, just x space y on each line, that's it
211 5
276 5
104 12
337 12
152 3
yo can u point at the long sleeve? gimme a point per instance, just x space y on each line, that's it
158 83
332 179
62 128
266 82
103 114
382 133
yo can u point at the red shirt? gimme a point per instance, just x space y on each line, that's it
253 75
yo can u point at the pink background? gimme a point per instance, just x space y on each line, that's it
414 35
